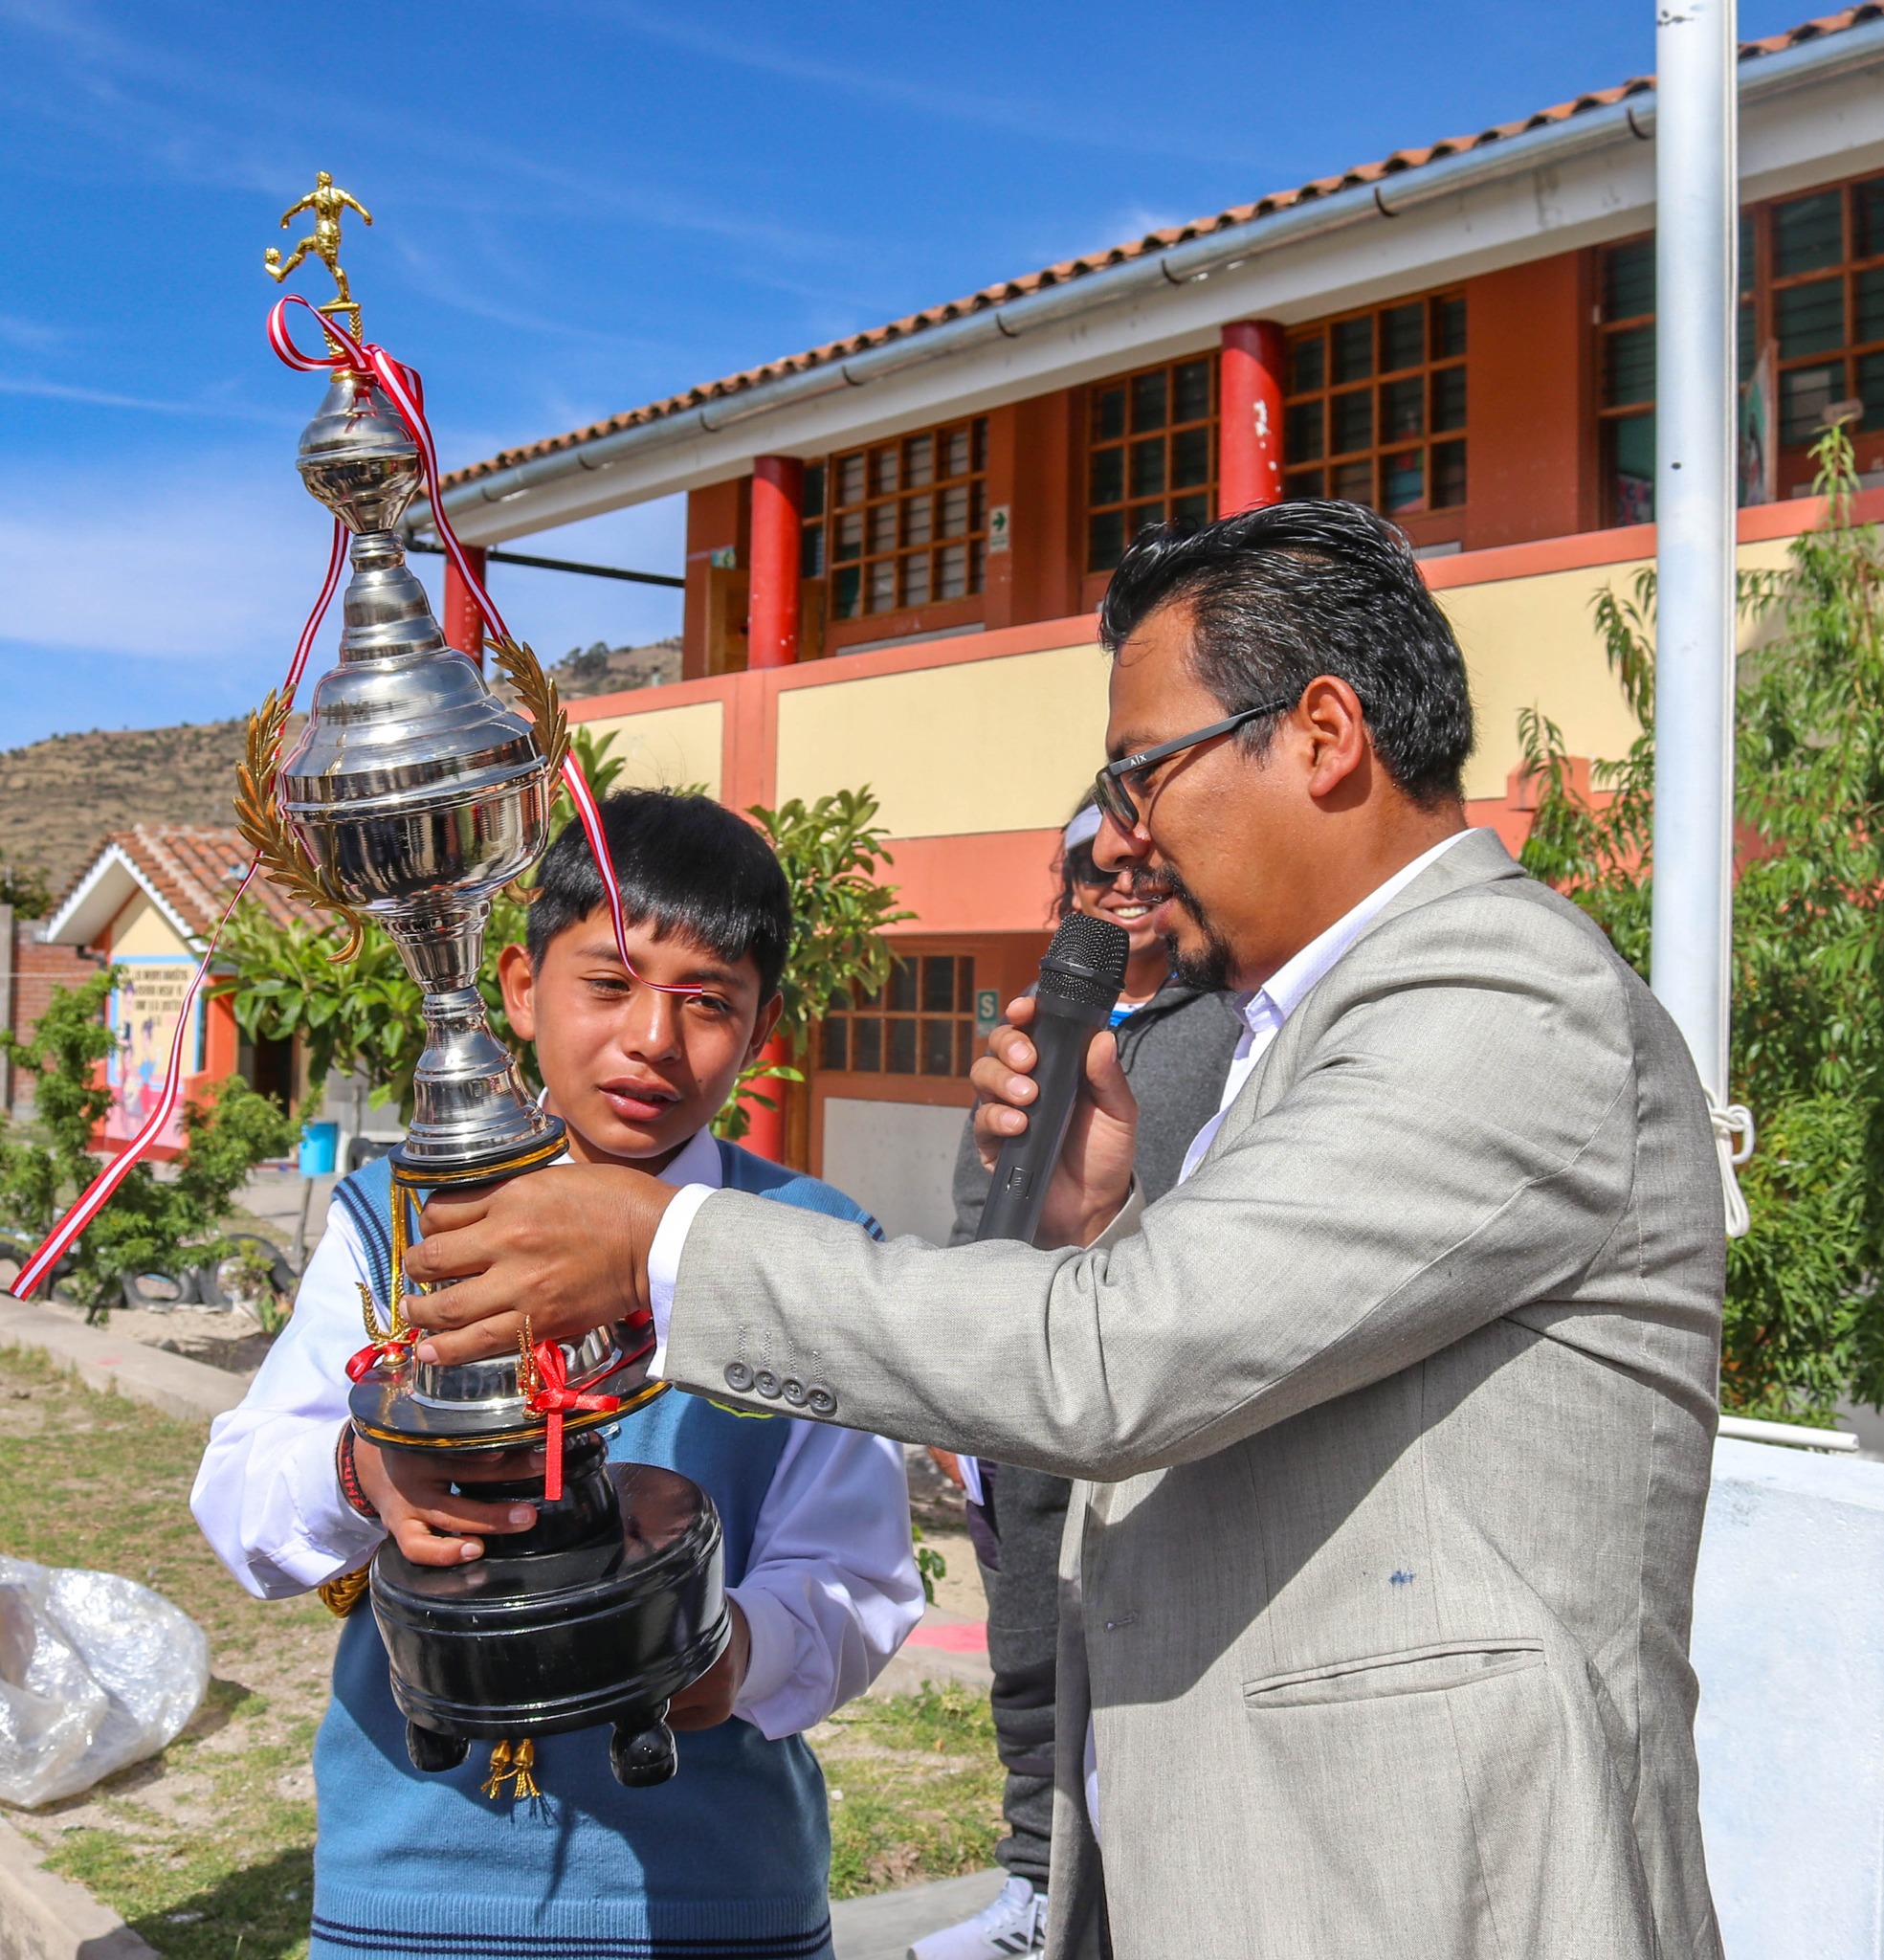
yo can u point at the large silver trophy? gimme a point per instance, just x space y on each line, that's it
412 797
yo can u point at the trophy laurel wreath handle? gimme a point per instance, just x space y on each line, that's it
537 690
268 833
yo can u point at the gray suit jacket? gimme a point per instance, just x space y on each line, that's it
1396 1420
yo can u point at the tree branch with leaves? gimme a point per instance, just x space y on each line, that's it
1804 1325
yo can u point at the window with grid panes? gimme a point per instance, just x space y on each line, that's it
1811 283
1826 306
901 523
1626 378
923 1023
1150 456
1626 370
1375 411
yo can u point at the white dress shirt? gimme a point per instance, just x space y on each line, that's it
830 1589
1272 1004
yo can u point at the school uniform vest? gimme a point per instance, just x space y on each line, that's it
729 1858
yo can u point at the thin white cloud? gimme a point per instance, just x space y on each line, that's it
207 565
151 405
34 335
1039 120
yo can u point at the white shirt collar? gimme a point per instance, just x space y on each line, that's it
1288 987
695 1162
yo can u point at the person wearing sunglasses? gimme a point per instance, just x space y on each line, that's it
1175 1042
1394 1419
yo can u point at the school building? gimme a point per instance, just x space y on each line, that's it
145 906
895 542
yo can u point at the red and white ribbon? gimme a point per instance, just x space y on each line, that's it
551 1397
406 391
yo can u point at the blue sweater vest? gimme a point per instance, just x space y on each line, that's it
731 1857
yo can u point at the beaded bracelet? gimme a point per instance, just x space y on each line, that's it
351 1485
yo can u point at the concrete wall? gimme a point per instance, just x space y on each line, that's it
894 1159
1003 744
1789 1643
670 748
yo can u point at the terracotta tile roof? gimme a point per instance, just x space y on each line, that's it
195 867
1139 248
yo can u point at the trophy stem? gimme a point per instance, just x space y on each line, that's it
471 1112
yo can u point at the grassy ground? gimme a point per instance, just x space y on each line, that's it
208 1851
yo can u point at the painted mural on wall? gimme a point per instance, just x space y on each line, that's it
144 1011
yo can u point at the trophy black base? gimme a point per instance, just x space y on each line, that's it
602 1612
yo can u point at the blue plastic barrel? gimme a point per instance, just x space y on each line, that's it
320 1148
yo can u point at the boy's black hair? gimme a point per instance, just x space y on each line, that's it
1280 594
683 864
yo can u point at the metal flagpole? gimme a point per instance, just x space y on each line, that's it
1697 253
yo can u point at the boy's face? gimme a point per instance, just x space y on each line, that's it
635 1072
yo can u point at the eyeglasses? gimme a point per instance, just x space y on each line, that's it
1112 789
1082 870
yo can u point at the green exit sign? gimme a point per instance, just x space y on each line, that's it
988 1010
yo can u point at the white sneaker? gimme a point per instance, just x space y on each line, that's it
1016 1922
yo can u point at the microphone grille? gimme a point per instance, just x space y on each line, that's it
1086 962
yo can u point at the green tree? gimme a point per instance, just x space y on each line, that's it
150 1224
1804 1322
830 851
24 887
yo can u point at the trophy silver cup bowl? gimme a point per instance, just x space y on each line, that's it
412 796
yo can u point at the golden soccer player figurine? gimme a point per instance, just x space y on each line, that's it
326 201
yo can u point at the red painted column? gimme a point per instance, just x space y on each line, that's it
764 1135
464 624
1249 415
778 503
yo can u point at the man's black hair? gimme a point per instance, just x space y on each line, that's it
1280 594
684 864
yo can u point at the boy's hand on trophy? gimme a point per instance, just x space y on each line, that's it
430 1522
566 1248
709 1701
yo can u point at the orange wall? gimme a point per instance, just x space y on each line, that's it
717 517
1530 459
1039 453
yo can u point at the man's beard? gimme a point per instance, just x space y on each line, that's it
1208 966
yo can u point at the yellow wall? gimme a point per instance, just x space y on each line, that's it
1003 744
667 748
141 931
1532 642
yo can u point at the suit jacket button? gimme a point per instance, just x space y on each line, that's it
819 1400
766 1383
793 1390
738 1377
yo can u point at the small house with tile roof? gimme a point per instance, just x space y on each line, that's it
146 906
895 542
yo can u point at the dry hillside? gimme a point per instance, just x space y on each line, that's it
62 797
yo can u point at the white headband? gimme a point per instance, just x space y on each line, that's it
1083 829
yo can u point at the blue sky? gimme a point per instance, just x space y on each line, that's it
582 206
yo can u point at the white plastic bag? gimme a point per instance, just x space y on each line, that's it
95 1672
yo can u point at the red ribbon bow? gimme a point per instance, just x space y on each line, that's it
553 1397
395 1350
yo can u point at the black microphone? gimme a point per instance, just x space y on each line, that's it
1079 981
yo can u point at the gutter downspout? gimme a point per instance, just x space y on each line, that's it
1196 259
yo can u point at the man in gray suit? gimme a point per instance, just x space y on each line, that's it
1394 1418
